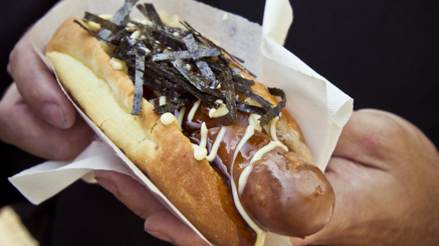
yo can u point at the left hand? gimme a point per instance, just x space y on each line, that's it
35 115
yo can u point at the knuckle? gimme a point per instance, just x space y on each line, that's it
15 56
6 132
64 150
378 129
36 96
71 145
3 126
12 63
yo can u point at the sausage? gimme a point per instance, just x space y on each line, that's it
283 194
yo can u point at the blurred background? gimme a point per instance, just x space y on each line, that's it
383 53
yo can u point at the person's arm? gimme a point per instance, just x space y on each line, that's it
385 174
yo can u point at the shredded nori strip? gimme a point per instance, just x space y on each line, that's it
166 72
138 82
107 24
83 26
123 14
203 66
279 93
183 55
120 18
139 75
250 109
190 42
275 111
207 73
229 90
197 82
149 11
180 64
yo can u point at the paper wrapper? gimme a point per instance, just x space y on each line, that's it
319 107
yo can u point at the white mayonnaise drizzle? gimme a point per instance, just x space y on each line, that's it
275 143
249 132
200 151
167 118
216 144
106 16
256 157
162 100
181 116
261 152
274 134
193 110
93 26
130 27
203 140
218 112
135 34
117 64
253 119
260 234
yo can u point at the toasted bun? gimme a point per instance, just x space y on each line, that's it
162 152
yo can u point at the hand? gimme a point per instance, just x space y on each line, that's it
385 173
159 222
34 113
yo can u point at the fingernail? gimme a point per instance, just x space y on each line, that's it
160 235
152 229
53 115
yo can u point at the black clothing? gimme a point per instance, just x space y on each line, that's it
381 52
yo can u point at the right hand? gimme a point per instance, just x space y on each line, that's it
385 175
35 115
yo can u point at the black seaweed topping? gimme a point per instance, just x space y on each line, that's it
120 18
186 54
123 14
203 66
149 11
106 24
138 81
179 63
278 108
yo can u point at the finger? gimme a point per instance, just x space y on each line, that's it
130 192
369 137
159 222
167 227
20 127
39 88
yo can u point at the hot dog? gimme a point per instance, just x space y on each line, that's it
218 144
